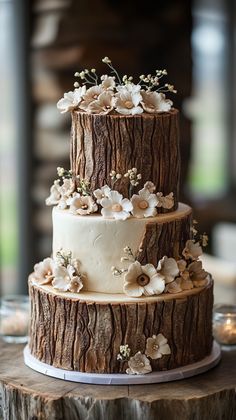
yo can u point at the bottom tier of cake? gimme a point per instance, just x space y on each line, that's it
84 332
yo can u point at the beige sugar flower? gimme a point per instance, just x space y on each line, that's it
82 205
143 280
157 346
43 271
150 186
71 100
155 102
144 204
115 206
108 82
192 250
168 268
167 201
127 99
197 274
91 95
101 193
139 365
103 105
180 283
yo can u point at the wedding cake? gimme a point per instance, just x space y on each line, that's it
124 290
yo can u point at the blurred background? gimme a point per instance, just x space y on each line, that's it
43 43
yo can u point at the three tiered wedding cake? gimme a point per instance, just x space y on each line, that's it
125 290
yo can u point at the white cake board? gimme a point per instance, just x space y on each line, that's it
122 378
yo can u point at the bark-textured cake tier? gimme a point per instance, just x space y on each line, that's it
99 243
85 336
149 142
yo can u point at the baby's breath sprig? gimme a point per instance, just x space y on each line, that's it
114 177
107 61
129 255
152 82
64 173
193 228
64 258
134 178
83 186
204 240
124 353
87 76
117 272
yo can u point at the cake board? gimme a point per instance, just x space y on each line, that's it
122 379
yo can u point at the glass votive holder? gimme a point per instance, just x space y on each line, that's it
224 324
14 318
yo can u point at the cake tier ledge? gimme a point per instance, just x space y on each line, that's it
84 334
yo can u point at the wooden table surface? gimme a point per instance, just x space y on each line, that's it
28 395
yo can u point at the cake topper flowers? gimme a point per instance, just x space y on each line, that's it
115 93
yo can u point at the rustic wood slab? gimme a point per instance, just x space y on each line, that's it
28 395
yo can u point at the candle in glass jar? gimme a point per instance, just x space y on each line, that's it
224 324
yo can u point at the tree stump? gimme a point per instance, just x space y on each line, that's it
28 395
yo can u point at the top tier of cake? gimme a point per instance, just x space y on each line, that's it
149 142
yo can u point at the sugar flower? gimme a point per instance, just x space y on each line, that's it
192 250
144 204
155 102
91 95
55 194
103 105
168 268
138 365
167 202
180 283
143 280
43 271
197 274
76 284
59 194
71 100
149 186
82 205
108 82
115 206
66 278
127 100
157 346
102 193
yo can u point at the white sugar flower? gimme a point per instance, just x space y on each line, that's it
157 346
108 82
62 277
143 280
144 204
192 250
155 102
128 99
115 206
138 365
91 95
149 186
55 194
82 205
102 193
103 105
167 202
76 284
71 100
168 268
43 271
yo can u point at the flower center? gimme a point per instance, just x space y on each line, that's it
95 96
141 364
155 347
48 274
128 104
143 280
143 204
84 207
116 207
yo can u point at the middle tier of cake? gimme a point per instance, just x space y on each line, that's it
99 243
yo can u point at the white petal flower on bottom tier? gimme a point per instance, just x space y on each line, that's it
43 271
157 346
139 365
144 204
143 280
115 206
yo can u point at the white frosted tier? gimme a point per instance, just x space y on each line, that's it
98 243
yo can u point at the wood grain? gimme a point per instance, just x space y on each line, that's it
149 142
77 335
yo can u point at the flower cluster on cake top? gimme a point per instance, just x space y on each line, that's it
170 275
112 93
140 364
76 195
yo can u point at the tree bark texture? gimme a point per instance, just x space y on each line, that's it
168 238
83 336
149 142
